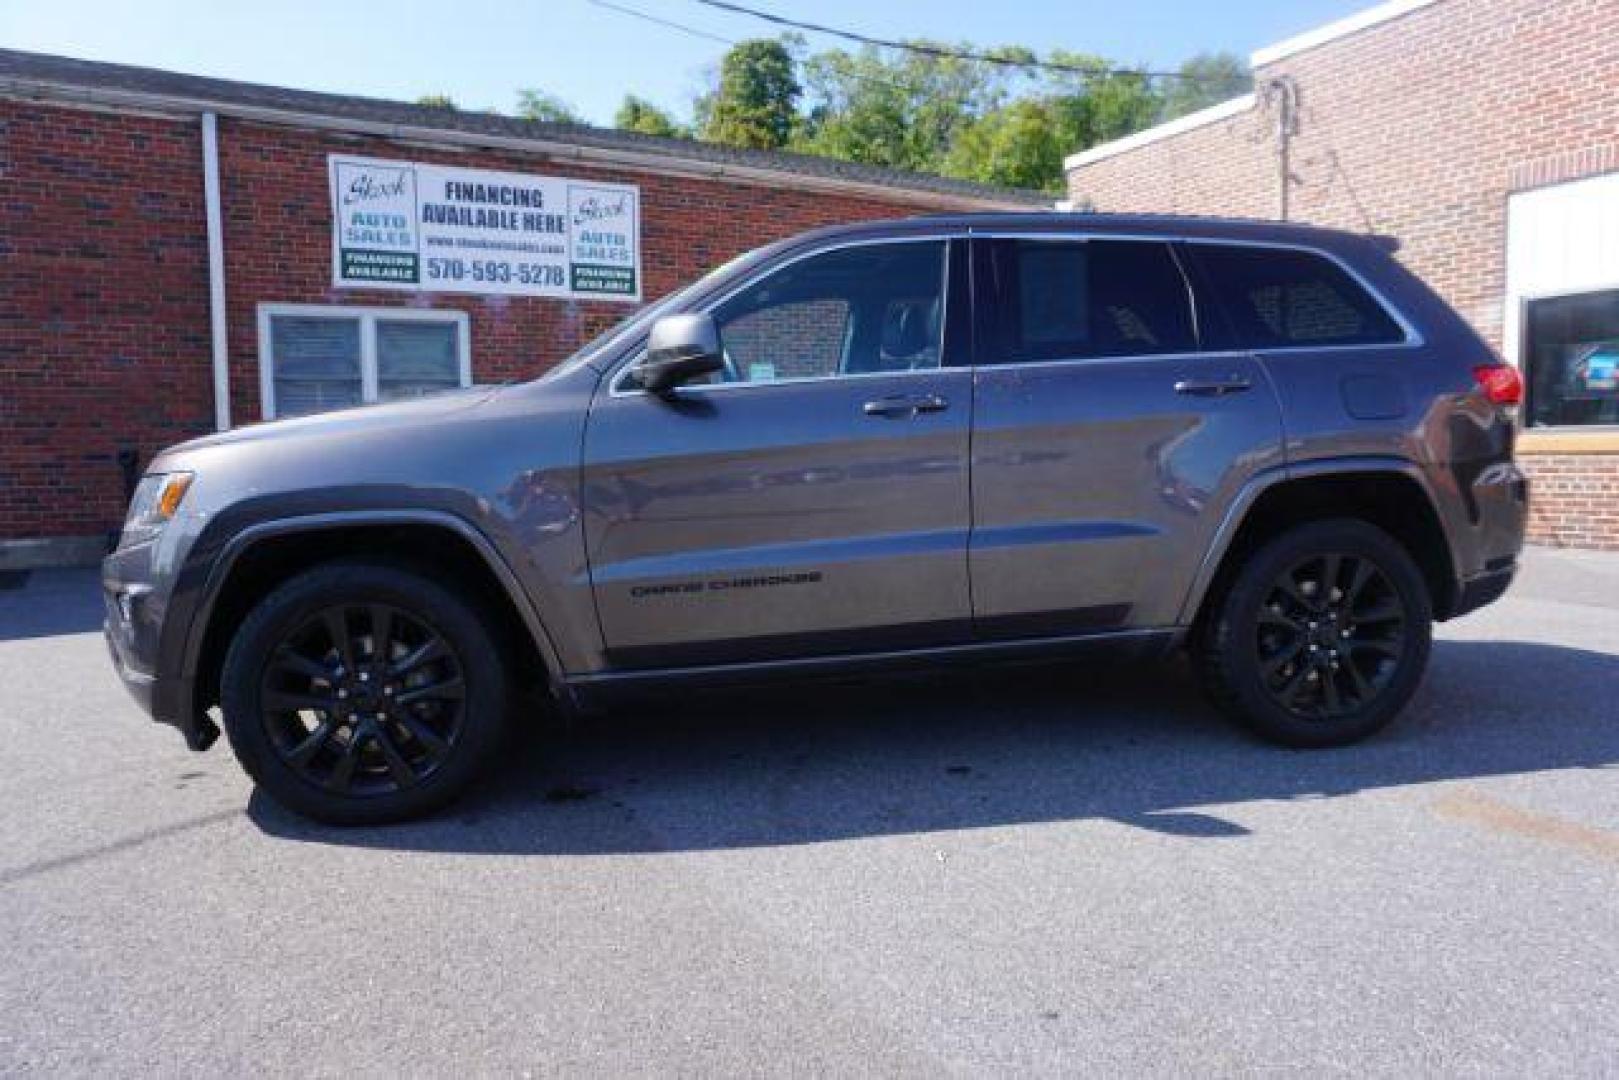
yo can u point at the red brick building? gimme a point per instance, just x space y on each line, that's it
167 265
1484 135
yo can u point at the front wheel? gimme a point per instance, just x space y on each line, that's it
1322 636
358 693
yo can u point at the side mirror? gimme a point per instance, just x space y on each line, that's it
680 348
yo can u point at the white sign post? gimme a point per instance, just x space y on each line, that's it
405 225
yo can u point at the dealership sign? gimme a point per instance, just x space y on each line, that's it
403 225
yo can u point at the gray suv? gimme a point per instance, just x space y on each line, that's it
939 440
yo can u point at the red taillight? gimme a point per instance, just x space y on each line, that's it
1501 383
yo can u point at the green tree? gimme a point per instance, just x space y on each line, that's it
1098 101
640 115
756 103
539 105
901 109
1017 145
1004 120
1209 78
437 101
1053 113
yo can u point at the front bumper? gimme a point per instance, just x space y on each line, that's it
132 629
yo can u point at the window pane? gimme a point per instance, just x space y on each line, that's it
416 358
863 309
787 341
1066 300
1277 298
314 363
1572 354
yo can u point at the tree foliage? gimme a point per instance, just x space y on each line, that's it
903 110
539 105
1009 123
640 115
1006 120
1214 77
756 103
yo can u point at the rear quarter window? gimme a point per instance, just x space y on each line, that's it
1277 298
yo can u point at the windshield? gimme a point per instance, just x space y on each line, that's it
640 320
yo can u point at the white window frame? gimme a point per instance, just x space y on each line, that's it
368 318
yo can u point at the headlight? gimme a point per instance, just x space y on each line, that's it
156 498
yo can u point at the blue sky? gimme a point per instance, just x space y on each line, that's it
481 51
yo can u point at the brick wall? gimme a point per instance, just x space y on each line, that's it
1574 499
1419 127
104 334
103 309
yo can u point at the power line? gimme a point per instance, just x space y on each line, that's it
634 13
942 53
669 23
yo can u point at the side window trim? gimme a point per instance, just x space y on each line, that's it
1215 332
952 299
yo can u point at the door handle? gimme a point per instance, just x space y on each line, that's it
1235 384
903 405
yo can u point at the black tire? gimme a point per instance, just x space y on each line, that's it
377 757
1273 654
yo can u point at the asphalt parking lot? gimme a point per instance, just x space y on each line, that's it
1050 871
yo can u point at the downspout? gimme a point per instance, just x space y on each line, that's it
216 271
1284 95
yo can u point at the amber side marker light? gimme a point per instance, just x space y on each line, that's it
168 500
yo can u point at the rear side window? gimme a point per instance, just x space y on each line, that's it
1070 299
1278 298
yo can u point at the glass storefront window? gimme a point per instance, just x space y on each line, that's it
1571 356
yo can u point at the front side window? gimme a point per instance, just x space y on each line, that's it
1282 298
859 310
1571 356
1071 299
314 359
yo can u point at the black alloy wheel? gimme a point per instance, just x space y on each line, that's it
1329 636
1320 636
363 698
360 693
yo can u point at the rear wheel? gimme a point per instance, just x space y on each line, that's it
1321 638
358 693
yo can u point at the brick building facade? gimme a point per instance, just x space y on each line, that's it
1484 136
106 333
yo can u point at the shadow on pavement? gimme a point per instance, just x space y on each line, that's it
45 603
999 747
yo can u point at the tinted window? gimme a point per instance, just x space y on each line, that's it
1572 356
1066 299
870 308
1275 298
